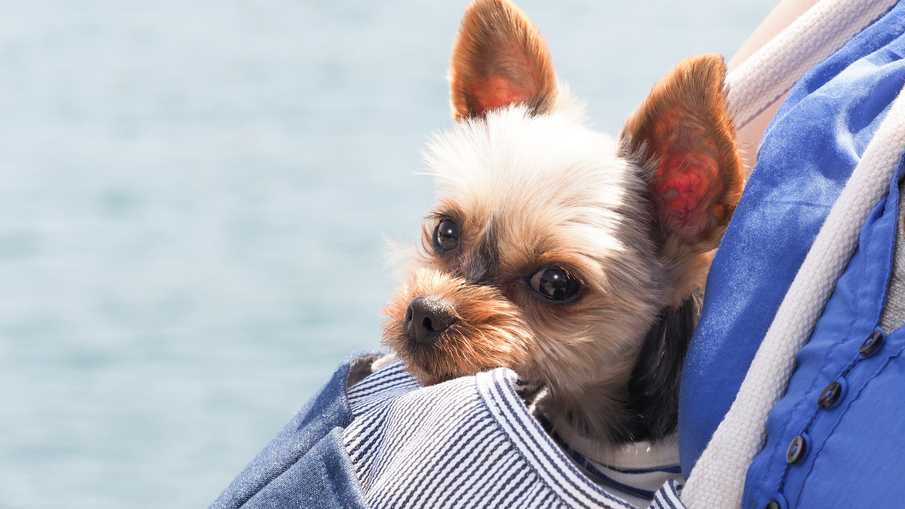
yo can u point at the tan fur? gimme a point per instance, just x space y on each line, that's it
501 322
530 188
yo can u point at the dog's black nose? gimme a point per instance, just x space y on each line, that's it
426 318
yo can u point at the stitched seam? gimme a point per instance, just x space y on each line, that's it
808 395
877 314
842 415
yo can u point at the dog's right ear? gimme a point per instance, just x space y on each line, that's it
684 135
499 59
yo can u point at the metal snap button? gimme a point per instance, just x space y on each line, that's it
830 395
871 344
797 450
778 502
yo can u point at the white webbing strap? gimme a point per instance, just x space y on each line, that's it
812 38
718 479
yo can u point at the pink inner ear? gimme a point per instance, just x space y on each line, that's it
499 92
688 180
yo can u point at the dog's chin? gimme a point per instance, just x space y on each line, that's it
428 365
431 362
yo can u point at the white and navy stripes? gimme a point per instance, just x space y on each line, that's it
667 496
469 442
641 482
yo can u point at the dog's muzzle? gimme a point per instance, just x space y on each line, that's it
426 318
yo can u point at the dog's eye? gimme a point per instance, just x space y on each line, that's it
446 236
555 284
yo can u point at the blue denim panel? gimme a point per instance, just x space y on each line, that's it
807 154
326 411
322 479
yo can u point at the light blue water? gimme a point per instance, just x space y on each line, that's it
194 196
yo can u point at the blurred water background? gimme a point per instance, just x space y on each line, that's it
194 196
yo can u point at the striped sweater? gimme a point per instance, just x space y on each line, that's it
472 442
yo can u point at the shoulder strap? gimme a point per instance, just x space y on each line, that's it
812 38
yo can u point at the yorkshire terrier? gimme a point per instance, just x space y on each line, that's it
574 259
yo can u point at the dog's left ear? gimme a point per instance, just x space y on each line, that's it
684 137
499 59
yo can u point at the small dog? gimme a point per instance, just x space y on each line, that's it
574 259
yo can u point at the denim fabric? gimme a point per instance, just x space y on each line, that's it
806 156
306 464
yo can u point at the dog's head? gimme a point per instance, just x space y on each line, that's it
554 249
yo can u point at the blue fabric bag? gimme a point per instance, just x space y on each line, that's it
806 156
